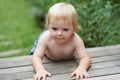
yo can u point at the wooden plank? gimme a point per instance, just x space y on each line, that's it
67 67
108 77
105 53
61 65
29 68
66 77
10 52
19 61
93 73
105 62
22 62
16 76
27 61
21 58
105 58
5 60
110 49
102 48
101 59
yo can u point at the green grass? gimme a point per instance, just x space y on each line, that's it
17 26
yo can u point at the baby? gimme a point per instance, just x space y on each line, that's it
60 42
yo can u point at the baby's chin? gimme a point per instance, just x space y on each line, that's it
61 42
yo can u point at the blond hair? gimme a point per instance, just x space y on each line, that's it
62 10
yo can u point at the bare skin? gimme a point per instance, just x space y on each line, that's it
60 39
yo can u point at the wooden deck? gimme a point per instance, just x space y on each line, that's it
105 66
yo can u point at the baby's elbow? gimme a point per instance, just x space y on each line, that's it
35 56
87 58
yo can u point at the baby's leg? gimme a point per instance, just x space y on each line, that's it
36 43
34 47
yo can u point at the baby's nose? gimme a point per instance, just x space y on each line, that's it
59 33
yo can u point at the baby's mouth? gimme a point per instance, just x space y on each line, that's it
59 38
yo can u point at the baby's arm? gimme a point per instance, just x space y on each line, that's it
37 58
85 61
38 66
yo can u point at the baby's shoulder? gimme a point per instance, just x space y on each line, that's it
76 36
77 39
45 36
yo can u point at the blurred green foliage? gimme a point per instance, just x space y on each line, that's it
98 19
17 27
100 22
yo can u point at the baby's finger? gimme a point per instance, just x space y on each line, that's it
44 77
72 74
84 75
35 78
49 74
87 75
81 76
77 77
39 78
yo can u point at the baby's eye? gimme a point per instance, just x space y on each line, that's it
54 29
66 29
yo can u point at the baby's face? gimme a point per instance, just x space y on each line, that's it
61 30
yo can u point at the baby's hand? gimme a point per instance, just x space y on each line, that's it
80 74
41 75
